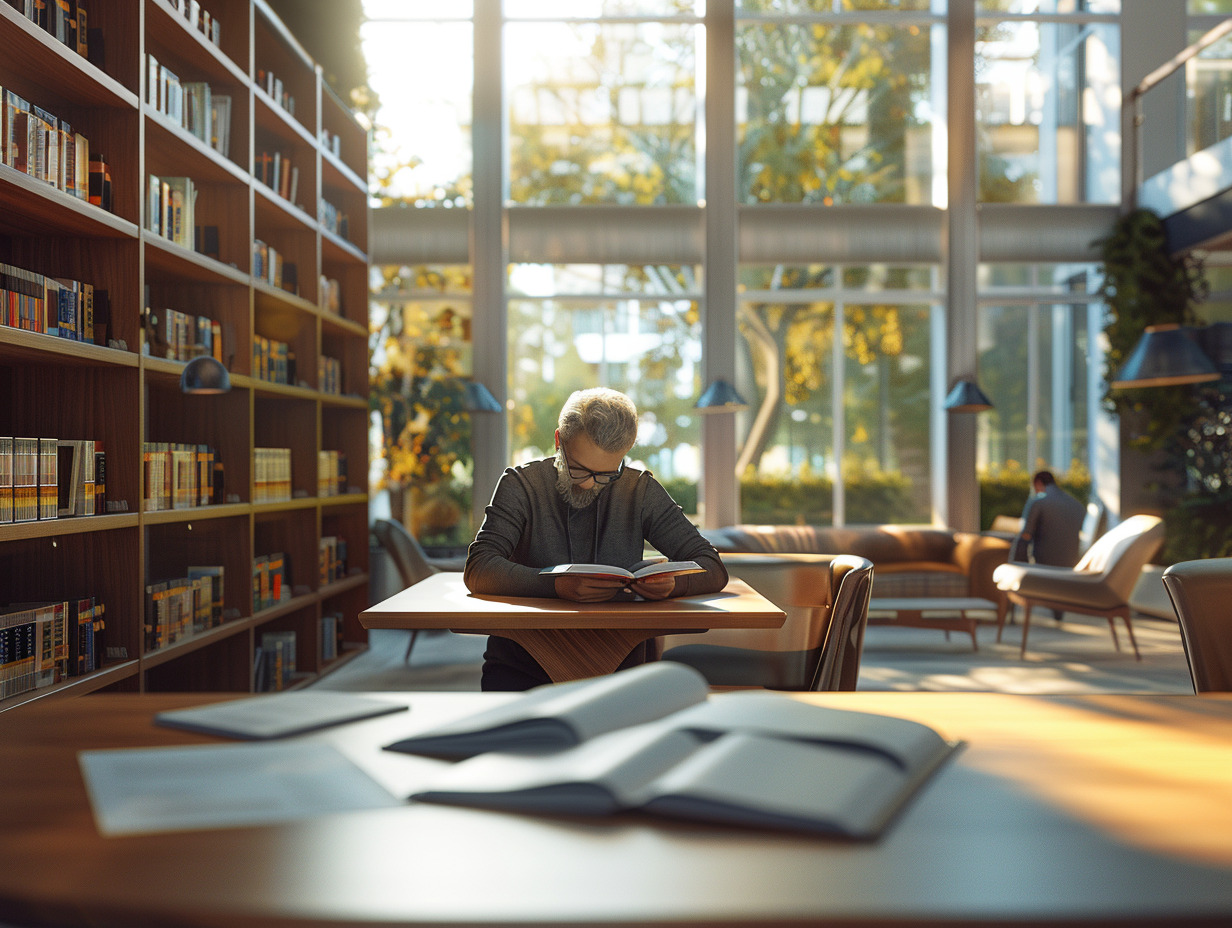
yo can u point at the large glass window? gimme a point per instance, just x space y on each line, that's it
1048 102
420 341
421 151
838 367
635 329
834 110
602 112
1038 326
839 102
1208 85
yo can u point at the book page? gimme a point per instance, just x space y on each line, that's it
588 570
640 570
754 780
669 568
559 715
908 744
608 773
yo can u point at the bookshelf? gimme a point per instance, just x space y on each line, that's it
265 268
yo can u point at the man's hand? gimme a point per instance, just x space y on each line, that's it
654 587
588 589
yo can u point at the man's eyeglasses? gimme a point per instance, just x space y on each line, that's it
600 477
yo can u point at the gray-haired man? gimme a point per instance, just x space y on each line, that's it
583 505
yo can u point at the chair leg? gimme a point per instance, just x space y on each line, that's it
1129 627
1026 627
406 658
1116 642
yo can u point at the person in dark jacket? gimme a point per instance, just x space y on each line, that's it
1051 524
582 505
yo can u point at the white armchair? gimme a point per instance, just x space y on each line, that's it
1099 584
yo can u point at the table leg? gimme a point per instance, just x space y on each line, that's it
575 653
914 618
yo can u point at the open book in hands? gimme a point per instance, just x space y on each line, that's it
639 571
751 758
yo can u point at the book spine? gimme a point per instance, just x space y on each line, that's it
100 478
48 486
6 480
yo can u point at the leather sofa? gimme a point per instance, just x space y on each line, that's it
908 560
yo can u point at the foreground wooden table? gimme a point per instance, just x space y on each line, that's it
569 640
1105 811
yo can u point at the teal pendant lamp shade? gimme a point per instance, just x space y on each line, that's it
966 396
478 398
205 375
720 396
1166 356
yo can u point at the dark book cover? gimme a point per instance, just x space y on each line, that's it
206 241
83 31
100 478
102 317
100 182
96 48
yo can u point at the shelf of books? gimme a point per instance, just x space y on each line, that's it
176 180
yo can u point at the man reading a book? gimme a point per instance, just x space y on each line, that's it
583 505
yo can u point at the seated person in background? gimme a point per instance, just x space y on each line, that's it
1051 523
581 506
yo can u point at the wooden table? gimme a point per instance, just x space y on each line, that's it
909 611
1083 810
569 640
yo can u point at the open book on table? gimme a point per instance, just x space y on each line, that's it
751 758
559 715
639 571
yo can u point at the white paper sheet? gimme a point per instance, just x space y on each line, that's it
146 790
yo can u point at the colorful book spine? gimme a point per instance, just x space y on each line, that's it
6 480
49 491
271 474
25 479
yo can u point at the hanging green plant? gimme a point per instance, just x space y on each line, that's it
1187 426
1144 284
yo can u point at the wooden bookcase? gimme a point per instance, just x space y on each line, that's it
124 396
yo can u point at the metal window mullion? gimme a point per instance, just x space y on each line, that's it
1060 438
1033 387
838 414
488 236
720 484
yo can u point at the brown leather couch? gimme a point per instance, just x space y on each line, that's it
908 560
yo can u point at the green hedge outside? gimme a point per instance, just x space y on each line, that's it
871 499
875 498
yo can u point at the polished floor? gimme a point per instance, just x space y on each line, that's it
1075 656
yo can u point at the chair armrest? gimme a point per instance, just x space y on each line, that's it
978 556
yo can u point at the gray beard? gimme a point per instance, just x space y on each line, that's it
574 495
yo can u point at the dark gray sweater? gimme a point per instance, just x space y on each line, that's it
529 525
